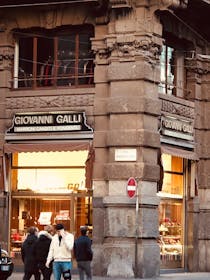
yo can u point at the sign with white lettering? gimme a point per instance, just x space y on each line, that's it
182 129
125 154
45 218
49 122
131 187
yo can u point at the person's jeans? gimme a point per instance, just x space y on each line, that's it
84 268
59 268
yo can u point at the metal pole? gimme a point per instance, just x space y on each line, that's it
136 232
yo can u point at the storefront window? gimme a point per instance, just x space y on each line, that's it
171 213
48 188
55 172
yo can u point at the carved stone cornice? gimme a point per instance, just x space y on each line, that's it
6 54
61 101
127 47
200 64
135 48
173 4
175 107
121 4
130 47
100 49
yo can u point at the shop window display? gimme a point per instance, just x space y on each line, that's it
48 188
171 213
171 234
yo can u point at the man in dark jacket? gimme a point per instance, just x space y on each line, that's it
83 254
41 251
28 255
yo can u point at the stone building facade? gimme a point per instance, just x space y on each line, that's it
138 104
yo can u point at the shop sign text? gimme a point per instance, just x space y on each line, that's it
125 154
49 122
177 128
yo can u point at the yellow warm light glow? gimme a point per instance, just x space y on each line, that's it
52 158
173 177
48 179
166 159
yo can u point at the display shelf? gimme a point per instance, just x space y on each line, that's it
170 245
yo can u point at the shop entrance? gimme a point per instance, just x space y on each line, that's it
72 211
48 188
172 214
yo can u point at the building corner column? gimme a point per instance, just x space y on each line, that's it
199 85
126 114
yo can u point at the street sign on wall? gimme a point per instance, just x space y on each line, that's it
131 187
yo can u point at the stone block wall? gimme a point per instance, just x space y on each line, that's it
129 106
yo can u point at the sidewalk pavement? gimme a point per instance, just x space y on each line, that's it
165 276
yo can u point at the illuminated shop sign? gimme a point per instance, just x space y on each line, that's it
177 128
49 122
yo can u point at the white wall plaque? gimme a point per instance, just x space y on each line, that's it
125 154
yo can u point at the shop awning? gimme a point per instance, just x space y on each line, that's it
46 147
179 152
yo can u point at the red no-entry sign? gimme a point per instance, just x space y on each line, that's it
131 187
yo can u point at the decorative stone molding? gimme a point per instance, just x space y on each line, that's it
100 48
198 64
44 102
6 57
135 48
6 54
121 4
127 47
182 110
130 47
173 4
104 53
48 19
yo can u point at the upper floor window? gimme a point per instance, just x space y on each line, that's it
172 73
47 58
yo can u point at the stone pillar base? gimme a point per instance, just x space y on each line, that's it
117 258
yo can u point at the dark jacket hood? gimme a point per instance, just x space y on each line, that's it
31 238
43 235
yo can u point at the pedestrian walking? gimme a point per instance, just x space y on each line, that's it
28 255
83 254
41 251
60 252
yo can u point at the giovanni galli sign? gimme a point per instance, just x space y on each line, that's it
49 122
177 128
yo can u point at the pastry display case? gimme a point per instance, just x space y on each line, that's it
171 235
172 213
